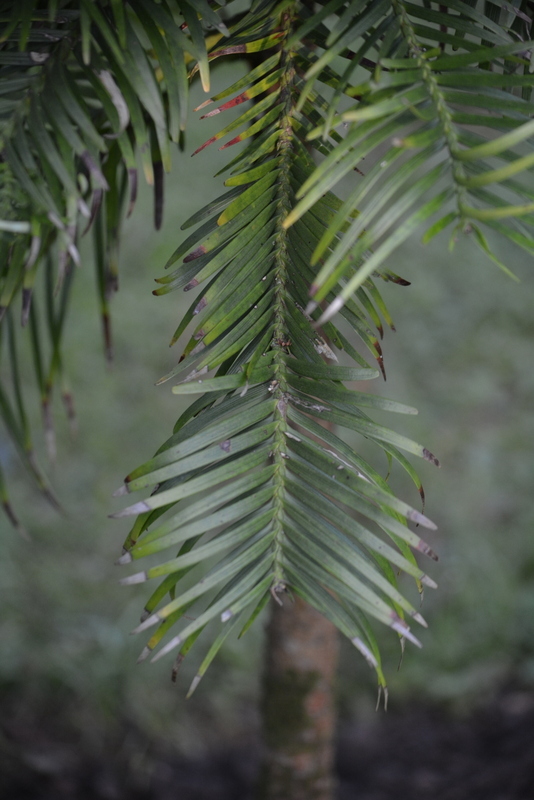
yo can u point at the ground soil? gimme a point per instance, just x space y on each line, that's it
418 754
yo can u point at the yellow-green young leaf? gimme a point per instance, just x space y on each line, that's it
255 46
247 197
266 66
264 144
253 174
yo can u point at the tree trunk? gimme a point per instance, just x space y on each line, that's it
297 705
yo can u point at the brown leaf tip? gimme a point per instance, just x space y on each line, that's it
424 548
202 146
381 366
201 304
176 667
195 254
428 456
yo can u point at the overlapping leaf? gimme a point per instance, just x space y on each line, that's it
86 88
442 129
254 488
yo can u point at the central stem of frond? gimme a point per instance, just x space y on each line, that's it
280 342
436 95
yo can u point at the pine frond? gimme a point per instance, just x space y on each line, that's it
86 88
441 128
254 488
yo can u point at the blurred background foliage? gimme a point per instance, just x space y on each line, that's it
462 355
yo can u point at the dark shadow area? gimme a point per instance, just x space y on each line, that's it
416 753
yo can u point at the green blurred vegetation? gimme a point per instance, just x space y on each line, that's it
462 355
